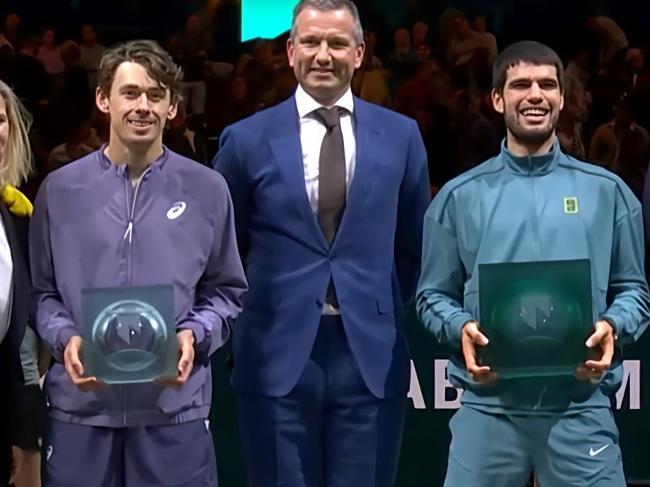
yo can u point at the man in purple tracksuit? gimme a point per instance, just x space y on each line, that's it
134 214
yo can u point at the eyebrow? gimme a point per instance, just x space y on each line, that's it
138 87
332 37
546 79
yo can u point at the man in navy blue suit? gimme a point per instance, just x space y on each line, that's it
329 195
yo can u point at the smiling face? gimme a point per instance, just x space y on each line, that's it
138 107
531 102
324 53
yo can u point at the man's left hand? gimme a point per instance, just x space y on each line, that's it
185 360
604 339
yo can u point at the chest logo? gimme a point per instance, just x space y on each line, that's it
571 204
176 210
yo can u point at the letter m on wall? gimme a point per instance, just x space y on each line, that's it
631 385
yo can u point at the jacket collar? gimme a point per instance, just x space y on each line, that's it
120 169
532 165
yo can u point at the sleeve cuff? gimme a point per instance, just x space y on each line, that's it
64 336
455 328
612 322
201 340
197 329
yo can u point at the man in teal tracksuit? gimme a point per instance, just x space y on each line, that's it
533 203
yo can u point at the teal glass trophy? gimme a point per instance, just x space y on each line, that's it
537 316
129 333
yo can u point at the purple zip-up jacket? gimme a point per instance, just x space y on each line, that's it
91 228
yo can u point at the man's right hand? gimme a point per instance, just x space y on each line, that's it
471 337
74 367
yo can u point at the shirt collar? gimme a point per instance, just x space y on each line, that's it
306 104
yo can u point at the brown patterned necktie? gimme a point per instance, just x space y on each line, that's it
331 182
331 173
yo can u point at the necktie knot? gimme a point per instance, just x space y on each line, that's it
329 116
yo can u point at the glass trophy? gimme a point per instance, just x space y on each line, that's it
129 333
537 316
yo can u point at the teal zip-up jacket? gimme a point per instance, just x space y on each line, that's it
513 209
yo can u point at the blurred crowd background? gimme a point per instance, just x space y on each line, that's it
430 60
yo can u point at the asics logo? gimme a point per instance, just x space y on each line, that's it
176 210
593 453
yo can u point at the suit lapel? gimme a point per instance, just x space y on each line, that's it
15 244
21 278
368 140
285 145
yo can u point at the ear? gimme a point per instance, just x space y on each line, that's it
497 101
173 109
561 101
102 100
290 51
358 55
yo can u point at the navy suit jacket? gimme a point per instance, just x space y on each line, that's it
374 259
12 404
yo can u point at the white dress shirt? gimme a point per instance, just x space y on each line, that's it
6 282
312 132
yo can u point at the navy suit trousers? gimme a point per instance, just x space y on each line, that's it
329 431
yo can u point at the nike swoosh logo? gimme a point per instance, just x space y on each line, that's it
593 453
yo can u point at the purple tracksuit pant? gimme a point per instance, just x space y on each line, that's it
179 455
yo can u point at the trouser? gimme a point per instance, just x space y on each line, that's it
180 455
329 431
577 450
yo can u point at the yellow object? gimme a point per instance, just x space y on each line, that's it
16 201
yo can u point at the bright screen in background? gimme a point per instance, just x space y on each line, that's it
265 18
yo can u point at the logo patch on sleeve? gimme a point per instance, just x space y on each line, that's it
570 204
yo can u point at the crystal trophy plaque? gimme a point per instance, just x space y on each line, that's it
129 333
537 316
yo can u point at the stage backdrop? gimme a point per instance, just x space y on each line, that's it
433 401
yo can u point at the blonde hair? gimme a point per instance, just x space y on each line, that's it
17 163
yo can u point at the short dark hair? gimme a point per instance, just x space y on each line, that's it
531 52
326 6
159 65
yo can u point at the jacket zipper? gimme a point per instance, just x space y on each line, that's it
534 216
128 233
128 238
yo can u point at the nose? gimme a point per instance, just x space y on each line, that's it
142 103
323 53
535 92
